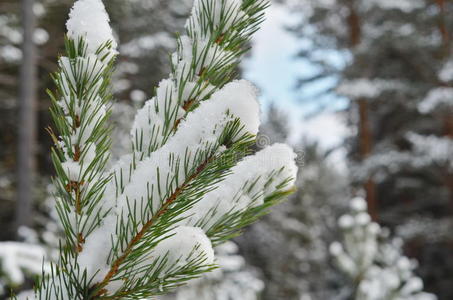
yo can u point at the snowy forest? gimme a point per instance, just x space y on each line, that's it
226 149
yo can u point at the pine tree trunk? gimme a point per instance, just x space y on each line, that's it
448 118
365 142
448 133
443 27
364 132
448 126
27 119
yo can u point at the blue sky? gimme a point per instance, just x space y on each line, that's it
273 67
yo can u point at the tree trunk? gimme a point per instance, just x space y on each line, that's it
443 27
364 132
365 144
448 133
448 118
27 119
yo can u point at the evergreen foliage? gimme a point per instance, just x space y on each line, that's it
146 225
305 224
233 280
376 266
392 61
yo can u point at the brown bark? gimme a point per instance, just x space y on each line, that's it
364 132
443 26
448 133
448 118
365 148
355 31
27 120
448 126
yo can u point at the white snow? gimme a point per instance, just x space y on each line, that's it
150 179
406 6
427 150
88 68
366 88
138 96
221 13
358 204
88 19
10 53
76 170
446 73
233 193
91 110
200 129
435 230
437 99
95 252
241 99
238 97
431 149
232 280
345 221
184 244
378 266
197 55
26 295
40 36
362 219
360 243
150 120
179 247
18 259
73 170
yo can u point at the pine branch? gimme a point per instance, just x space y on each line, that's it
205 61
137 238
148 225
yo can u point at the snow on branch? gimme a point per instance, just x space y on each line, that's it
88 20
80 108
231 281
446 73
366 88
427 151
200 138
18 260
205 60
375 264
251 181
148 225
432 150
405 6
438 99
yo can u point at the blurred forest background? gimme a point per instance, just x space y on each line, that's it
380 69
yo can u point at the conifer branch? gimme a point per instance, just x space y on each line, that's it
148 225
115 265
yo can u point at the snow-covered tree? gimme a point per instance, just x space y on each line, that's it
397 83
22 261
19 261
376 265
305 224
150 223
